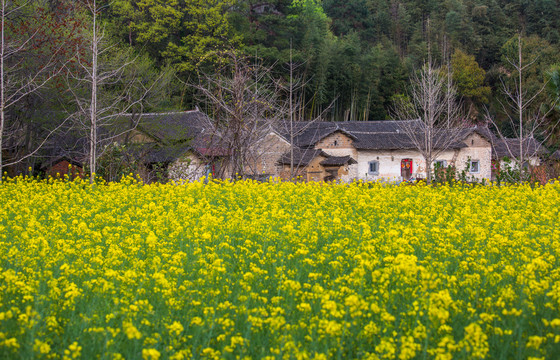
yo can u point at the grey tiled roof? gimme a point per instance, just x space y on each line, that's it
177 133
155 153
173 127
302 157
188 127
511 148
367 135
338 161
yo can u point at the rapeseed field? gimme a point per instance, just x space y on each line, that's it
278 270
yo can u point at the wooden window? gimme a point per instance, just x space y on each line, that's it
373 167
474 166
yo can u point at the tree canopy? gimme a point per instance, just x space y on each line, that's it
354 57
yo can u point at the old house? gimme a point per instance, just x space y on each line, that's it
322 151
175 146
507 151
315 165
553 165
381 150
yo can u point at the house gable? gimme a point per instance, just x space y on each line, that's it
479 151
476 140
337 140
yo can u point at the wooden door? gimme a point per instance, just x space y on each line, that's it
406 168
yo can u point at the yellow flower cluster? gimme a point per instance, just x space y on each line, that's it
247 270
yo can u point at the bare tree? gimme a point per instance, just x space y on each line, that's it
110 84
432 101
525 117
293 123
245 103
17 79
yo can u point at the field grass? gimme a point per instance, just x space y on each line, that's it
278 270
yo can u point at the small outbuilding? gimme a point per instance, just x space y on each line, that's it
62 166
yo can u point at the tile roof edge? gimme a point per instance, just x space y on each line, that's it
161 113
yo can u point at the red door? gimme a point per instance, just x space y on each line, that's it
406 168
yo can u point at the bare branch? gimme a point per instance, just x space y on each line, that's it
432 103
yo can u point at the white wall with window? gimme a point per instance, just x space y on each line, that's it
475 160
474 166
373 167
385 165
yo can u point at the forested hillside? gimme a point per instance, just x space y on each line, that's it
353 57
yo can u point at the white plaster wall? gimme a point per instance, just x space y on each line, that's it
340 152
483 155
533 161
389 164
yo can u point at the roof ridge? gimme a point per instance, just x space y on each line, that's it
160 113
375 132
372 121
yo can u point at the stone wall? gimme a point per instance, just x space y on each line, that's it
188 167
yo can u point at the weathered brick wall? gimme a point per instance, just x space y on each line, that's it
284 172
337 140
339 144
315 171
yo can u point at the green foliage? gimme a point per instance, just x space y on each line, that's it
537 56
444 175
507 171
116 163
553 84
468 76
183 33
535 51
353 56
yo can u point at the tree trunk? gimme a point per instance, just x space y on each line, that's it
520 109
93 105
2 86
